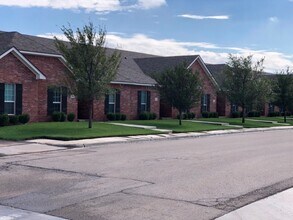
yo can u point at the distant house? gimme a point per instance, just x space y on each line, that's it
32 72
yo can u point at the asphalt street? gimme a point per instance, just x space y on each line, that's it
191 178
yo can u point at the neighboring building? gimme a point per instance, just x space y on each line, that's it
32 73
224 107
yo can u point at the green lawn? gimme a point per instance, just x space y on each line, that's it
278 119
247 124
67 131
175 127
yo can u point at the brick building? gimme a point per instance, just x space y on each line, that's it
32 73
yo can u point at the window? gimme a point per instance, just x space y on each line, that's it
271 107
234 108
112 102
57 100
205 103
144 99
9 99
143 103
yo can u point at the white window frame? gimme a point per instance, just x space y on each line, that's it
112 103
60 102
14 101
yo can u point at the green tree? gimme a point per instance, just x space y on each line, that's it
244 83
92 69
283 91
179 87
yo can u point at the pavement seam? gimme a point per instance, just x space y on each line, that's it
97 197
165 198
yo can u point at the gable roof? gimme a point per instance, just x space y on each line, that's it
217 72
128 72
154 65
26 62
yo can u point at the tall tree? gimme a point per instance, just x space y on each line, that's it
180 87
283 91
244 83
92 69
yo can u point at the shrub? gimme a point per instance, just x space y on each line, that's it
189 115
111 117
144 116
13 119
4 120
62 116
210 114
287 113
24 118
56 116
153 116
235 115
273 114
70 116
253 114
117 117
123 117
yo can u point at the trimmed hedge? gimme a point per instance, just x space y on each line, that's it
235 115
24 118
253 114
210 114
188 115
70 117
13 119
58 116
116 117
4 120
274 114
147 116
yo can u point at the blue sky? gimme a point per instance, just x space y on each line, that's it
211 28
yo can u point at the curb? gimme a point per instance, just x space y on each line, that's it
128 139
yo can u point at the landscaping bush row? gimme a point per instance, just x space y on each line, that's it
210 114
116 117
253 114
6 120
188 115
147 116
274 114
61 117
249 114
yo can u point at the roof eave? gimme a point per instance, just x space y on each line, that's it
26 62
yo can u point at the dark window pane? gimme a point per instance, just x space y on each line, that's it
111 108
9 108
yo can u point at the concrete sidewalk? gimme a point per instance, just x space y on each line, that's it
275 207
8 213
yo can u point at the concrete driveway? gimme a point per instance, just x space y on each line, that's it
192 178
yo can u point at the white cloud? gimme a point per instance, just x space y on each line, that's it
88 5
147 4
274 19
200 17
211 53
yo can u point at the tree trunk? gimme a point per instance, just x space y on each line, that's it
285 116
90 125
180 117
243 114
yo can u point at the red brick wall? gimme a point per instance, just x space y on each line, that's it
55 73
208 88
34 96
14 71
128 102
